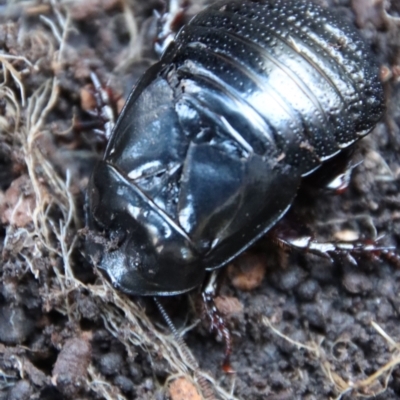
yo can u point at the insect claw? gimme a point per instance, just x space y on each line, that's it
227 367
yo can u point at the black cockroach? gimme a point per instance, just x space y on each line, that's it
215 139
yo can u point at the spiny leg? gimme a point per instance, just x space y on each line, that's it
101 105
216 320
287 236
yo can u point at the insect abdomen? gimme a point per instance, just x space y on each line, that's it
305 75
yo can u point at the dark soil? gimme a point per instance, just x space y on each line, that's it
303 327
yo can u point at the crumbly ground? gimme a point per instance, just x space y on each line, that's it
303 327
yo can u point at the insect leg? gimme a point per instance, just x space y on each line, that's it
216 320
335 250
99 102
169 22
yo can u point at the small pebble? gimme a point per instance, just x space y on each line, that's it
183 389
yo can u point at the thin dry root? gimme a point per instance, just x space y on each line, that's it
370 386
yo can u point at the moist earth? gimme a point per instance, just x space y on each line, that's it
303 327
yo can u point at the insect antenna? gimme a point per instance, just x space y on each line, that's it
206 389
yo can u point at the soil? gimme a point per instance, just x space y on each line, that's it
303 327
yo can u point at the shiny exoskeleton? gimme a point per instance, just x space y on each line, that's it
212 145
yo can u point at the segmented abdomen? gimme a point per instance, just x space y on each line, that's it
277 77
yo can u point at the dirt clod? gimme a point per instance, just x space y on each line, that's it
15 325
18 203
247 272
228 305
182 389
356 282
70 370
21 391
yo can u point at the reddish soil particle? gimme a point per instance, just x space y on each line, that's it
182 389
18 203
248 271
